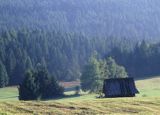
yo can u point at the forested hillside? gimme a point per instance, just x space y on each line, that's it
134 19
64 54
142 61
62 35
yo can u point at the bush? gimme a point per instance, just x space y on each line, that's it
39 85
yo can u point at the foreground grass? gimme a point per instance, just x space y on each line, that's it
142 106
146 103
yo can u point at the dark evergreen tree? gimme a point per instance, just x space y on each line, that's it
28 64
28 89
3 76
39 85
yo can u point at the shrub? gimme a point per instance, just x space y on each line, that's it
39 85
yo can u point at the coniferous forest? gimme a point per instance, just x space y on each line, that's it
138 19
65 54
63 34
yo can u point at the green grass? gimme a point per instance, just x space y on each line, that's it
149 87
9 93
145 103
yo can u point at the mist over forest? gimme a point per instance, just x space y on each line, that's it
138 19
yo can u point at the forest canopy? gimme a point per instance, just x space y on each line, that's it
65 54
132 19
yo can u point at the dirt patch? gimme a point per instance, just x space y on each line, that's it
70 84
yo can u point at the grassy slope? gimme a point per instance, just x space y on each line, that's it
147 102
9 93
149 87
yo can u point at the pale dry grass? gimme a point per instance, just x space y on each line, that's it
118 106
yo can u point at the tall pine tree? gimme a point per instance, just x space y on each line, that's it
3 76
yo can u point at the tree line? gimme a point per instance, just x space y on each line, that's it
39 85
142 61
65 54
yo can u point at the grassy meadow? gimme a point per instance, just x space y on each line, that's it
145 103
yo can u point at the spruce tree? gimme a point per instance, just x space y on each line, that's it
3 76
39 85
28 64
28 90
